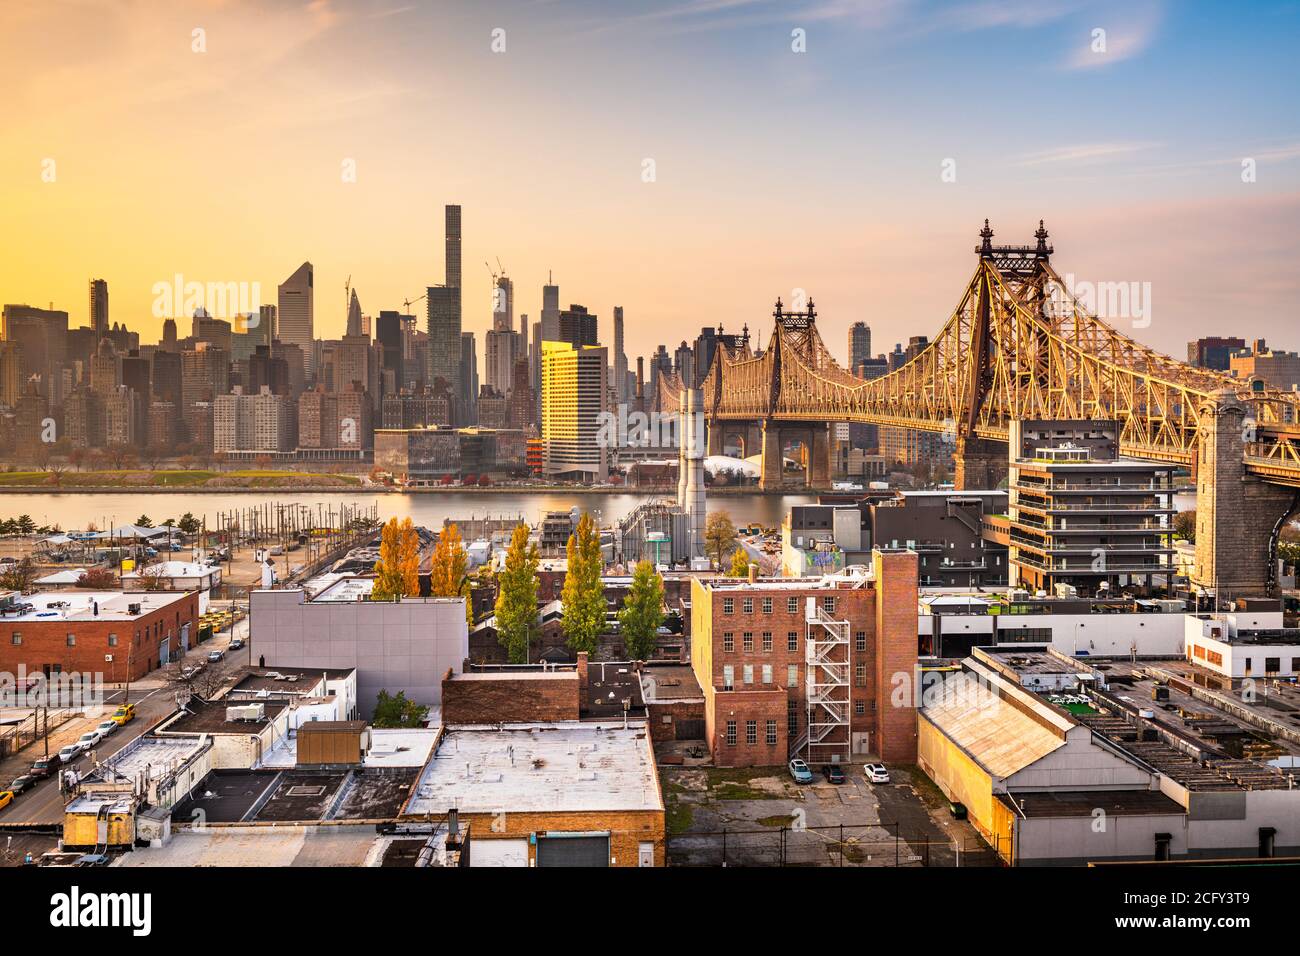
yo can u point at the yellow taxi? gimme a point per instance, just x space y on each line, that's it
123 715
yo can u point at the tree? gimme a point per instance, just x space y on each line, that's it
98 579
449 573
516 607
583 594
719 536
20 576
740 563
1185 525
189 524
396 711
642 612
397 572
144 521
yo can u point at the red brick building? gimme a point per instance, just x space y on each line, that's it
113 633
805 667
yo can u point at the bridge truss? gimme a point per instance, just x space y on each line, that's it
1018 346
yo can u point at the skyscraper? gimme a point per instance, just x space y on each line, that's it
99 307
354 326
577 327
444 313
573 398
859 345
467 397
296 315
620 357
550 312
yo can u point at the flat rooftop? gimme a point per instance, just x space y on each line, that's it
83 605
566 766
289 680
389 749
608 685
157 756
670 683
281 846
209 717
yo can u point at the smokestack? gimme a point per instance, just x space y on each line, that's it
753 573
640 378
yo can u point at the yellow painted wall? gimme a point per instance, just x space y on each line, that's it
82 829
958 776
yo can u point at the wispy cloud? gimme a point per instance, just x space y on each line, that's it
1083 153
1114 38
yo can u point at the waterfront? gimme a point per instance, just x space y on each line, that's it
75 511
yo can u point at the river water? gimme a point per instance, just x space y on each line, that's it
76 511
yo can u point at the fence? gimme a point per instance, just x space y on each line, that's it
33 727
880 844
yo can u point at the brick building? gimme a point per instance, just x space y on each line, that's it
113 633
806 667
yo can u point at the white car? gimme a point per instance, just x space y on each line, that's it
107 727
876 772
70 753
89 739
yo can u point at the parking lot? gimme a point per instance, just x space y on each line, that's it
760 817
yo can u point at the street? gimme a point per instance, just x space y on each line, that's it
154 700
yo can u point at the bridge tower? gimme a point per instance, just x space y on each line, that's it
1238 516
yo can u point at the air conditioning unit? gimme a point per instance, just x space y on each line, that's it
246 712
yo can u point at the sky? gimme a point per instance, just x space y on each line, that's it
689 160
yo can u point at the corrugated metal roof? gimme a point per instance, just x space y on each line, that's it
1000 738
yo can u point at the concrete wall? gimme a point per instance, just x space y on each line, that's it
406 646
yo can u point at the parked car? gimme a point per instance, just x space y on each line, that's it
71 752
236 644
876 772
23 784
107 727
123 715
44 767
800 772
89 739
215 657
833 773
6 798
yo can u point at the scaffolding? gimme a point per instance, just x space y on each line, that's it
827 689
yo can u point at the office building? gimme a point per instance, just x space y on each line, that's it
573 399
444 312
99 307
296 315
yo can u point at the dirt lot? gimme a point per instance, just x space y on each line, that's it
760 817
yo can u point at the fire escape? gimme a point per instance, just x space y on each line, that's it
827 689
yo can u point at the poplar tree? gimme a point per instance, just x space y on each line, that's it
583 594
449 573
642 612
397 572
516 607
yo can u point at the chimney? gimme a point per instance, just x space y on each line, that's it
582 672
753 573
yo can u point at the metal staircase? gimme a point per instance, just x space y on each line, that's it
827 688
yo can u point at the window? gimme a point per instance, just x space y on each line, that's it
828 604
731 733
1272 665
860 675
767 673
728 641
72 640
767 641
728 677
112 640
1295 661
792 675
728 605
751 731
749 640
792 605
792 641
792 719
748 606
771 733
859 708
860 641
748 673
767 605
17 638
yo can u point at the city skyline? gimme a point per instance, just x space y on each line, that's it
881 237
